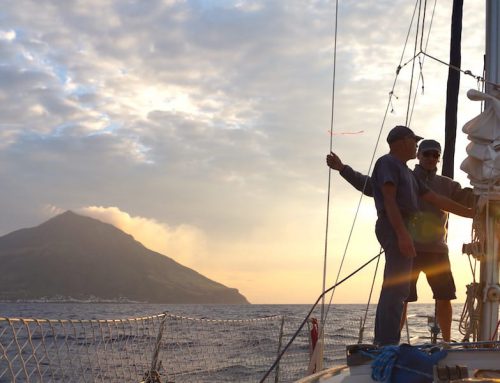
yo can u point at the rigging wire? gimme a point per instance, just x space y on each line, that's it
422 52
413 61
464 71
372 160
325 256
278 358
423 59
369 297
478 78
423 24
420 77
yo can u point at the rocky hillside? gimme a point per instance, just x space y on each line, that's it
76 257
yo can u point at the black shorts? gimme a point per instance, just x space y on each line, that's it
436 267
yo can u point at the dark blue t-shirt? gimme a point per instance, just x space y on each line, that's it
389 169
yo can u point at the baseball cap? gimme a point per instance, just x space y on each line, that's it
427 145
399 132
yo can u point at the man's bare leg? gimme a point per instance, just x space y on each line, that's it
444 316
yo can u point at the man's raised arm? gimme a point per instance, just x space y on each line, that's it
361 182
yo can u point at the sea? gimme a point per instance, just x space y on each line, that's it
200 343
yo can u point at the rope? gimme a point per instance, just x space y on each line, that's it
152 376
59 350
464 71
485 346
389 105
469 320
280 343
479 79
496 332
325 256
310 312
40 329
19 350
33 352
263 319
421 62
384 363
413 62
423 24
360 339
64 321
9 363
75 335
54 336
372 160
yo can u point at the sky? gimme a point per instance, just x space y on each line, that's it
201 128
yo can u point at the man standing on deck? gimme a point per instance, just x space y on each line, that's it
396 192
430 234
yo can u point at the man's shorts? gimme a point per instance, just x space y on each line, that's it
436 267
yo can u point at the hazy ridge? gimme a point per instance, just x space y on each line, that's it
71 257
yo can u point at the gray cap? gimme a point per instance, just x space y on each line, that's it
399 132
427 145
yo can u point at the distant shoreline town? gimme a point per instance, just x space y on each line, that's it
64 299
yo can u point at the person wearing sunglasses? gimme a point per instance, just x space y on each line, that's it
428 229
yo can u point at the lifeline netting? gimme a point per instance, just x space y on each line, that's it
179 349
41 350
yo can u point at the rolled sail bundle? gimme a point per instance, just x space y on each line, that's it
483 162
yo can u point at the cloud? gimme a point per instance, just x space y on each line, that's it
211 117
184 243
7 35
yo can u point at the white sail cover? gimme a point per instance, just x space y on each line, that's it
483 162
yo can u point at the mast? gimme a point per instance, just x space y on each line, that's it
483 167
452 89
489 265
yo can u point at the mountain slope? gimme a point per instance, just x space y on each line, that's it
80 257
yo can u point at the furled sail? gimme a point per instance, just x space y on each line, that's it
483 162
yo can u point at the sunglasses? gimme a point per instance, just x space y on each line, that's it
431 154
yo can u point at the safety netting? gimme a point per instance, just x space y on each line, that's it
163 348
